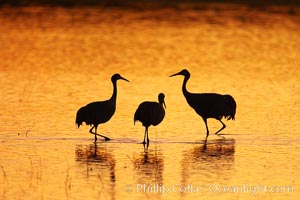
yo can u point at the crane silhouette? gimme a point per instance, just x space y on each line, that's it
209 105
99 112
150 113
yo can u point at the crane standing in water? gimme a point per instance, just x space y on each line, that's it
99 112
150 113
209 105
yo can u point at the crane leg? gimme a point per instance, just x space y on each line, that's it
144 142
96 134
224 126
146 134
207 131
91 131
147 138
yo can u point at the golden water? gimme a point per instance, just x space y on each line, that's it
54 60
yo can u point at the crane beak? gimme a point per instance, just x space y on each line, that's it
175 74
124 79
164 104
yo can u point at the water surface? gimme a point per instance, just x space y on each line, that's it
53 61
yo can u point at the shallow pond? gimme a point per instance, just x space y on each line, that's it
55 60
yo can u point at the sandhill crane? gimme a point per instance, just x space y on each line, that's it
150 113
209 105
99 112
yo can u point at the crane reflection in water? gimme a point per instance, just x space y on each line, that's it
149 166
213 159
99 164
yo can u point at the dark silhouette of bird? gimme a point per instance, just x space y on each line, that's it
150 113
209 105
99 112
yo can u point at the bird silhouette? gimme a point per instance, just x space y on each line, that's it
150 113
99 112
209 105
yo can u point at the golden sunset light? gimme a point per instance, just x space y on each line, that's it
149 99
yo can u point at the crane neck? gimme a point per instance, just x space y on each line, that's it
184 90
114 95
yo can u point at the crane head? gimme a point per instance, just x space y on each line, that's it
116 77
183 72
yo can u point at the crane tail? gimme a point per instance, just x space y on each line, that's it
135 120
136 115
230 107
